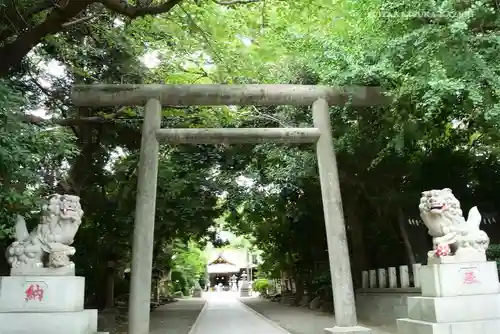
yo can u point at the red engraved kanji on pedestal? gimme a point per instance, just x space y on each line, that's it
470 277
34 292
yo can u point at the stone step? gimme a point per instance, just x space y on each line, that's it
454 309
409 326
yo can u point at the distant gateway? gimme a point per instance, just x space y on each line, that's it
224 263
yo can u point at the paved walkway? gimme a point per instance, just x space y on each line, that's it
224 314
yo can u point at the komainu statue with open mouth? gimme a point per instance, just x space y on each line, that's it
46 250
455 239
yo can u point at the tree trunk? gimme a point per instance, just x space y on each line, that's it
299 289
4 266
110 285
89 144
156 290
309 282
405 237
359 262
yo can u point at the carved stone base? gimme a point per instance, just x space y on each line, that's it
44 305
244 292
83 322
454 309
458 298
409 326
459 279
65 271
41 294
463 255
352 330
245 289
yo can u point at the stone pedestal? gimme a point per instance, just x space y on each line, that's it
196 292
245 289
351 330
44 305
457 298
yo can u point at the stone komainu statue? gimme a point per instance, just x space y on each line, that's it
48 245
454 238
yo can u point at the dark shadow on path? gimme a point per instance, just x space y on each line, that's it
299 320
176 318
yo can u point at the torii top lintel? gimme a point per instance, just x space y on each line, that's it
104 95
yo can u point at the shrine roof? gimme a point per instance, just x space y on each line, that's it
235 257
221 260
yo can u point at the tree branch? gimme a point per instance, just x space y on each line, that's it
12 53
49 95
19 20
235 2
80 20
36 120
63 12
107 119
124 8
98 12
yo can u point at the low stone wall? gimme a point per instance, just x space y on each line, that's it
383 296
382 306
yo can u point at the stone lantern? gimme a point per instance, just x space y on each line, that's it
233 280
244 286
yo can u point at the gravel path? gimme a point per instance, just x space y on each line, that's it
299 320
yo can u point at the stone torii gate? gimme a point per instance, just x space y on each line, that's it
156 96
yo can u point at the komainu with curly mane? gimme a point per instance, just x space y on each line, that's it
454 238
46 250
